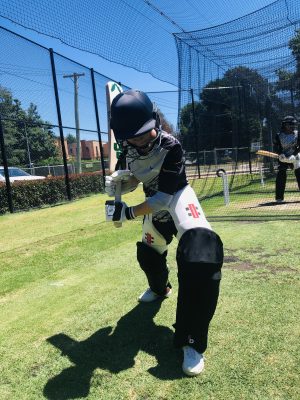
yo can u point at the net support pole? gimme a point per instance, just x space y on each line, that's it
61 133
5 166
222 173
196 133
98 125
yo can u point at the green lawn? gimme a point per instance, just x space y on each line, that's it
71 328
248 197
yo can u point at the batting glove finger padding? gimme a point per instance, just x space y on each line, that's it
296 161
128 182
121 175
282 158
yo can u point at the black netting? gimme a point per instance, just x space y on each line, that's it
129 33
235 83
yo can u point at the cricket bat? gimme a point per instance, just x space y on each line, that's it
267 153
112 90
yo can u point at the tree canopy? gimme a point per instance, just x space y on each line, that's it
229 110
28 139
294 45
242 107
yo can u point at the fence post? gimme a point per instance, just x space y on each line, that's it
215 157
5 165
98 125
222 173
250 161
195 132
61 133
261 171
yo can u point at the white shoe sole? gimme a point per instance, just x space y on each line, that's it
193 373
153 297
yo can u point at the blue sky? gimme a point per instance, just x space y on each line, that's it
186 14
189 14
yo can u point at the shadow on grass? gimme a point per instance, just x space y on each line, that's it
114 351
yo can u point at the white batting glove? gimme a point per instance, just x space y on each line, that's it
122 212
282 158
296 161
128 182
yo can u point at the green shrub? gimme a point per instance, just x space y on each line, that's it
32 194
3 199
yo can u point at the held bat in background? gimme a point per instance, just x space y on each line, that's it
267 153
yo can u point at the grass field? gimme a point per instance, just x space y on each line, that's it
248 197
71 328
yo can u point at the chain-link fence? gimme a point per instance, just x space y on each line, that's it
50 106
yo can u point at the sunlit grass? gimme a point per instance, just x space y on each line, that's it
71 326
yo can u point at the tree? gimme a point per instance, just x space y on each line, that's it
289 81
286 88
71 139
28 138
165 124
294 45
230 110
188 138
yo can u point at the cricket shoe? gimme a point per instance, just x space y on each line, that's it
149 295
193 362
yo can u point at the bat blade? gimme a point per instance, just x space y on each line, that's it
267 153
112 90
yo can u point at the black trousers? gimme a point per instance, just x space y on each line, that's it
281 179
198 288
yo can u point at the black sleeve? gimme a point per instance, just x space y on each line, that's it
277 145
172 174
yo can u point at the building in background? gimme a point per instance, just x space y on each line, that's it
57 143
90 150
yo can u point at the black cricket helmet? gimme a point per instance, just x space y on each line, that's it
132 115
289 120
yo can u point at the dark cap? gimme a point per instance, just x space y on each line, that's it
132 114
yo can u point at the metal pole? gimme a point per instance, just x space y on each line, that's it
250 161
222 173
61 133
28 148
195 132
78 153
75 77
98 125
261 171
215 157
6 173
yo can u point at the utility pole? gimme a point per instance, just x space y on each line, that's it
74 78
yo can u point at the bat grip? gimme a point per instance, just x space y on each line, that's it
118 196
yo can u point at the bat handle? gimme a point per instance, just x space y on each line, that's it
118 198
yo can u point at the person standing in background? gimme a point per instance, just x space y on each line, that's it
287 145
